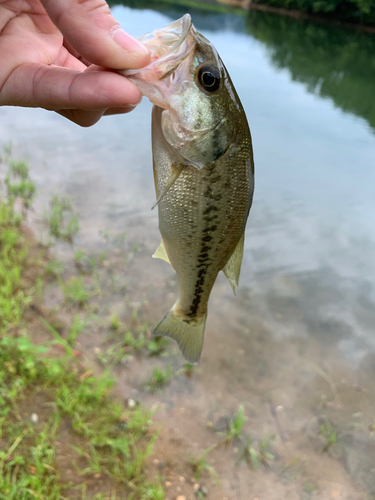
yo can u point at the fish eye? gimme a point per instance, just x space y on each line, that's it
209 78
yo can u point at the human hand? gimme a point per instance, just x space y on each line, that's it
55 54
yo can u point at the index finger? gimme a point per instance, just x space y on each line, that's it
90 28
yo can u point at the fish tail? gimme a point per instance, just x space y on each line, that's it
187 332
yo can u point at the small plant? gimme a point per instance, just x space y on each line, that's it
234 426
76 329
76 292
54 267
19 184
62 222
83 262
187 369
134 342
199 464
328 434
115 324
264 455
159 379
156 346
108 357
253 455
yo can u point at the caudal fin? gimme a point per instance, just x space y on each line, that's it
188 333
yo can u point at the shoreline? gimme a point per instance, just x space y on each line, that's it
296 14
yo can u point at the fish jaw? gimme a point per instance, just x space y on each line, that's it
169 47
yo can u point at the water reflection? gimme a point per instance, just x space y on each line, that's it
333 62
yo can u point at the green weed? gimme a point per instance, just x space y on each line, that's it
159 379
187 369
234 426
115 323
18 182
83 262
199 464
76 292
254 453
76 329
62 221
328 434
113 440
54 267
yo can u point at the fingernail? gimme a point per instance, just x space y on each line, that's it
127 42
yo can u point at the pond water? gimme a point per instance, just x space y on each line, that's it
296 346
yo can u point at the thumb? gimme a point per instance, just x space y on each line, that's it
90 28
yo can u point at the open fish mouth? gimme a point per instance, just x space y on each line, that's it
166 41
168 47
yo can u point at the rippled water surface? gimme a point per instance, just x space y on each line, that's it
297 344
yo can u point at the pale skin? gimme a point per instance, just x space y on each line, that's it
61 55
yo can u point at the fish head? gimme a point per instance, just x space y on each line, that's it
187 78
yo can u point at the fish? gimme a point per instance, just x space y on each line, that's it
203 171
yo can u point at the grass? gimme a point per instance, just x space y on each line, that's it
134 340
13 254
159 379
328 434
73 407
61 220
255 453
54 267
76 292
234 427
83 262
200 464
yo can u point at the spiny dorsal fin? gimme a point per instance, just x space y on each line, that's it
172 179
233 267
161 253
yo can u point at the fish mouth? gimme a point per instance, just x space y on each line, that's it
163 42
169 47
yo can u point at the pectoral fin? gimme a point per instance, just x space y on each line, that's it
161 253
172 179
233 267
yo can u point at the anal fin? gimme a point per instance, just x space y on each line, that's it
233 267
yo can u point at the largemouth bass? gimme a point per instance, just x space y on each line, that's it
203 171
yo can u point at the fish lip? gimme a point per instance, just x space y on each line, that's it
186 25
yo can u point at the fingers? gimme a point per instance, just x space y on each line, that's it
118 111
90 28
88 118
82 117
56 88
